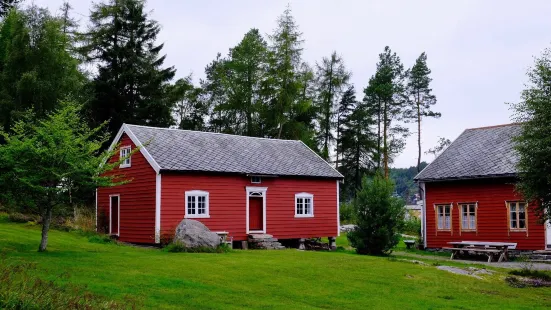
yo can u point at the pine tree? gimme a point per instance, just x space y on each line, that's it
420 97
131 85
331 78
385 95
6 6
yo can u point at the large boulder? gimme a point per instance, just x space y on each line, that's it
193 234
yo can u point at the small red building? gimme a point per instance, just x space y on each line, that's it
469 193
237 184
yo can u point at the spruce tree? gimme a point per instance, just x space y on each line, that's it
346 106
420 97
356 143
331 78
131 84
283 83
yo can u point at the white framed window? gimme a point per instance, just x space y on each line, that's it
197 204
304 205
256 179
517 215
125 151
468 216
444 217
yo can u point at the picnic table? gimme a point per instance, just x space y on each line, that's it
488 248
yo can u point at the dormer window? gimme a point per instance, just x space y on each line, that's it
125 151
256 180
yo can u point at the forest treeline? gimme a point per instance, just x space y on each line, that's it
112 65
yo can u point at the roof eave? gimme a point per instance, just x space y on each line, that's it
473 177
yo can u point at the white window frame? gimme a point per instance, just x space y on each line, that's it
258 179
196 194
124 151
304 196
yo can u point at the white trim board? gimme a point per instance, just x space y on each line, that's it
119 215
158 208
263 191
338 210
138 143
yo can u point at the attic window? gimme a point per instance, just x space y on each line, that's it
125 151
256 179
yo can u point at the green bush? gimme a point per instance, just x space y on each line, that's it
21 218
412 226
21 289
178 247
346 213
379 217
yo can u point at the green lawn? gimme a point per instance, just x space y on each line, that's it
259 279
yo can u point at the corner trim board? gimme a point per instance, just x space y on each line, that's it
158 208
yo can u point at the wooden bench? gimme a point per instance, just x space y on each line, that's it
409 243
487 251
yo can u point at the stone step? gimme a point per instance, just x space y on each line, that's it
540 257
260 236
263 240
544 252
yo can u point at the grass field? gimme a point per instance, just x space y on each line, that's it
258 279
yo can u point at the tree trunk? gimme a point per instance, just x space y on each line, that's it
418 136
46 220
385 140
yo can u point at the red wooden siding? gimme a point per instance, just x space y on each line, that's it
137 199
492 223
227 205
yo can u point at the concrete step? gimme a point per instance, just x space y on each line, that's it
260 236
263 240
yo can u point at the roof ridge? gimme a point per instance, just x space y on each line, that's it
212 133
494 126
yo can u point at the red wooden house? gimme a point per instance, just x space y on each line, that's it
469 193
241 185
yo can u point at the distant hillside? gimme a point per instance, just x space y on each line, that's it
405 186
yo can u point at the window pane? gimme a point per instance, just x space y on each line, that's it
299 206
521 216
307 206
201 208
447 223
191 204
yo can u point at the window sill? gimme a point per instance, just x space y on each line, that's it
517 230
303 215
124 166
202 216
468 230
444 230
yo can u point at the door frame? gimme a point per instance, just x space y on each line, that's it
547 235
118 217
253 191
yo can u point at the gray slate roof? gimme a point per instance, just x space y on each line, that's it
477 153
184 150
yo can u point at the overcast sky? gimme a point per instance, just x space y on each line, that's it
478 51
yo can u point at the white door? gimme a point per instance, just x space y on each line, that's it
548 235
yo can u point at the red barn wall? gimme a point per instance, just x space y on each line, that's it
137 198
492 224
227 204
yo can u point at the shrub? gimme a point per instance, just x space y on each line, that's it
346 213
21 218
178 247
379 217
20 289
84 218
412 226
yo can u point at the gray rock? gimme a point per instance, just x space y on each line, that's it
193 234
